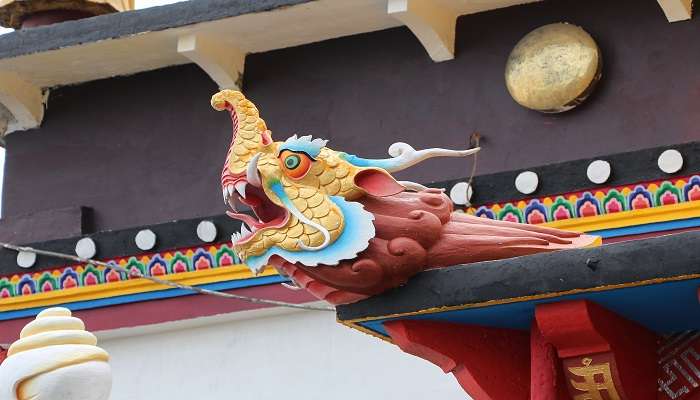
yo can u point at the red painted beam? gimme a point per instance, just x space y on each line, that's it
166 310
602 353
489 363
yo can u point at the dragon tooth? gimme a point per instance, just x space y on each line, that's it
252 174
244 231
240 188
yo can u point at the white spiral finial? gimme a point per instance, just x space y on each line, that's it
55 358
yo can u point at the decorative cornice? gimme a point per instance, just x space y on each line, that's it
215 264
181 255
523 279
175 262
570 177
605 208
170 236
111 26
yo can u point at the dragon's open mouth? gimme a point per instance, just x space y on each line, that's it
267 215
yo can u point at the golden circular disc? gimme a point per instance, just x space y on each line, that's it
553 68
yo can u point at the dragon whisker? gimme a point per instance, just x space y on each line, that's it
405 156
306 221
289 205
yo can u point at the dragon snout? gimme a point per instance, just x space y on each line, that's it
224 99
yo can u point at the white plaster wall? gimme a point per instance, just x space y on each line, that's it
293 355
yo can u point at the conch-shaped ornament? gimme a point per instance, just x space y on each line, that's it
55 358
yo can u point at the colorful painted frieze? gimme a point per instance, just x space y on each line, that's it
82 275
594 202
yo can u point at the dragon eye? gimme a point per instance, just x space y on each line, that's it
294 164
292 161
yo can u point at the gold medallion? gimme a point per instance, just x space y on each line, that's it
553 68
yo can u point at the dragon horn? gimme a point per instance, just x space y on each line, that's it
404 156
249 132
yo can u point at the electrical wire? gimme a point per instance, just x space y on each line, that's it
165 282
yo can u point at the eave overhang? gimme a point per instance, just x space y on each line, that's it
638 280
215 34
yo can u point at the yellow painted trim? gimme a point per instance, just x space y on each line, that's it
132 286
630 218
366 331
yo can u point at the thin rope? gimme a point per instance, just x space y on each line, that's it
475 137
165 282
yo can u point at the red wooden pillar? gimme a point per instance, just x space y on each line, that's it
604 356
489 363
547 380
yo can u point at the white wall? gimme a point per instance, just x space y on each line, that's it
293 355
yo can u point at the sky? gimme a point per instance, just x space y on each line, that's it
139 4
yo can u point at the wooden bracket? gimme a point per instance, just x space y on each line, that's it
489 363
21 103
222 62
677 10
433 24
602 353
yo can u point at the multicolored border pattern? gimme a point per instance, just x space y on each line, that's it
85 275
593 203
636 205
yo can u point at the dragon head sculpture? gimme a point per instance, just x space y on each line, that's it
301 191
328 219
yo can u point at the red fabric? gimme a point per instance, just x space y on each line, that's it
165 310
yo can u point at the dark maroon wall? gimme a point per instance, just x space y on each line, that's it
138 150
368 91
148 148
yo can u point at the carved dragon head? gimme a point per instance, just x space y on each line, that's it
302 193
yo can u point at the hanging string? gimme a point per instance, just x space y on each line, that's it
474 140
165 282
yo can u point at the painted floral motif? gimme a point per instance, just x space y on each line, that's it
593 203
169 262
